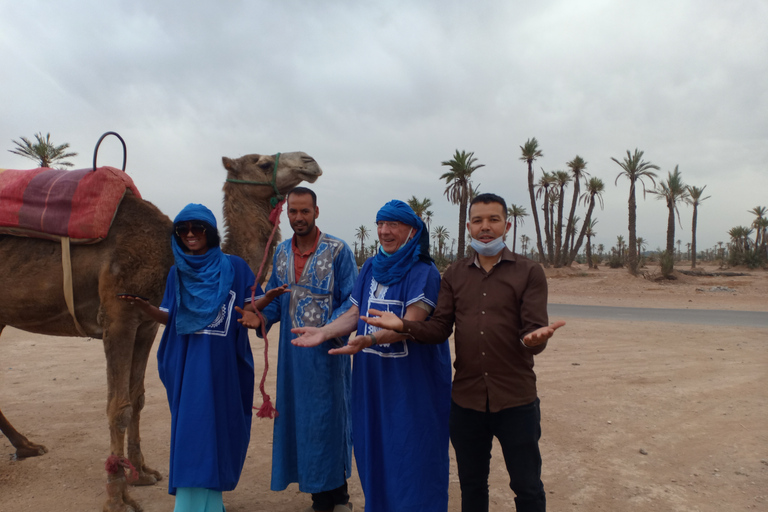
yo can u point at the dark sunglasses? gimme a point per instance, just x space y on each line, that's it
196 229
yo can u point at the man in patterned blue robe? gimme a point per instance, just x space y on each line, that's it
312 442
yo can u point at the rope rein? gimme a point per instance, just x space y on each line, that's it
267 410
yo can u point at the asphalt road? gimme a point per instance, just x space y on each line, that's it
678 316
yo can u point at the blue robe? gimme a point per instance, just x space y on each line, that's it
209 380
401 396
312 442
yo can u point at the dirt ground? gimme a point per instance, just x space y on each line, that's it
636 416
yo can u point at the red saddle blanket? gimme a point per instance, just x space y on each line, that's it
52 203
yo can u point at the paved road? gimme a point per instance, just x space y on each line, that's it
679 316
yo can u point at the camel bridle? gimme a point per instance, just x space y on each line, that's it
277 197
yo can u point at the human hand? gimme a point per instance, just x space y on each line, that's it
383 319
542 334
248 318
274 292
310 336
353 346
131 299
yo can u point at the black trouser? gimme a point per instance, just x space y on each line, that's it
518 430
326 500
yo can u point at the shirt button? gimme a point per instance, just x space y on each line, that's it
481 332
486 374
483 312
482 353
483 294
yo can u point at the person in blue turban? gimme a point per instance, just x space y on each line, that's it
205 362
401 388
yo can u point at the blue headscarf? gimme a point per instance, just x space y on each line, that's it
202 282
389 269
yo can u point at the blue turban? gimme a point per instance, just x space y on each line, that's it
202 282
389 269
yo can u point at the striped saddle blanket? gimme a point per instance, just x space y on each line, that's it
53 203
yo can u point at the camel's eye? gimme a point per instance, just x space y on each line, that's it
266 165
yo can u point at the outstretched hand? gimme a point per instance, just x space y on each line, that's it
542 334
383 319
353 346
248 318
310 336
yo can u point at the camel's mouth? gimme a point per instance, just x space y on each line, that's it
310 175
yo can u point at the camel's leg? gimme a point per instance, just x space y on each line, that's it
119 342
24 447
145 336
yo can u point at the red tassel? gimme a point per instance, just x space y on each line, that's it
114 463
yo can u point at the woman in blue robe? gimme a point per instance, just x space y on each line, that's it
205 362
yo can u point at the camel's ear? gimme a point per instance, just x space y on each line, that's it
228 164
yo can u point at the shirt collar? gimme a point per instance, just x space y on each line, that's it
296 248
506 255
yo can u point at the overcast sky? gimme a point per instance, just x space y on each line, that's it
381 92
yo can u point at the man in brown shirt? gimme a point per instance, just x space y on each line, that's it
497 301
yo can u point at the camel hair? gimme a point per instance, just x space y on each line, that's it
134 258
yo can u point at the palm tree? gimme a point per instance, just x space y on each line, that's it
563 178
759 212
694 199
428 218
516 213
362 235
641 245
620 246
462 166
419 207
43 151
672 191
543 191
441 235
577 166
524 239
635 169
593 194
531 152
589 232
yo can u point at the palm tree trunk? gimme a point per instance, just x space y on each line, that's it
580 239
632 256
535 213
568 242
589 250
671 229
462 223
551 234
693 238
514 235
559 249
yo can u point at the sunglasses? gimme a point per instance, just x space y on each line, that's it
196 229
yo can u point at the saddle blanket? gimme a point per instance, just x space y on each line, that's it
53 203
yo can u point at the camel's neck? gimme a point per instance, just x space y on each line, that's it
248 226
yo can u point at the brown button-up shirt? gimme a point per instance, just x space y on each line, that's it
491 311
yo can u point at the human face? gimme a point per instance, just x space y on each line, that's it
393 234
302 214
192 234
487 222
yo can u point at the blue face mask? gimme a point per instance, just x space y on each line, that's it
492 248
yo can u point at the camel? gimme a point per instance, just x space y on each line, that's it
135 258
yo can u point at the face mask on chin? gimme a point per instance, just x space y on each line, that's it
492 248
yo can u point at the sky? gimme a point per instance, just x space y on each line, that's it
381 92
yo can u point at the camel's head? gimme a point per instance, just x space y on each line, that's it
293 168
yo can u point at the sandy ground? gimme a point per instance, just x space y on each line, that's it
636 415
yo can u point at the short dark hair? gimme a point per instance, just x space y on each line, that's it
212 238
488 198
300 191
